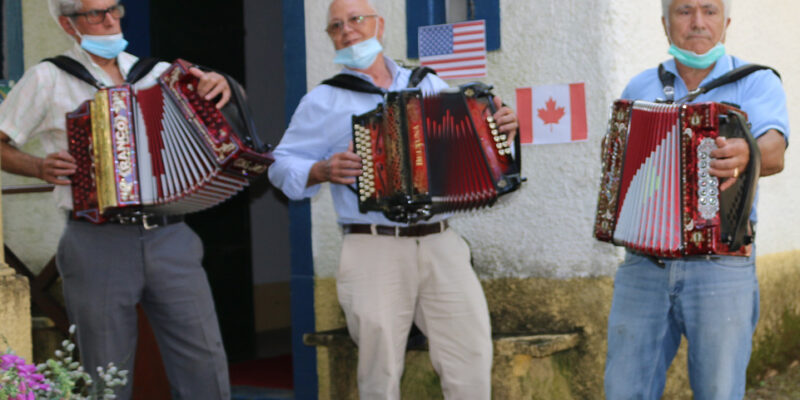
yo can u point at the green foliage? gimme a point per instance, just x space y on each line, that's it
58 378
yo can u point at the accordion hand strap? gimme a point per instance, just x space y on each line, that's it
238 109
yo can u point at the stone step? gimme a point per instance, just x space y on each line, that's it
539 346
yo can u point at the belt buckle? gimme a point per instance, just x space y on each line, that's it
147 225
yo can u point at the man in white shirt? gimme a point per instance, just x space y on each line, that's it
390 274
107 269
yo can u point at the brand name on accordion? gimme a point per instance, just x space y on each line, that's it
122 147
418 145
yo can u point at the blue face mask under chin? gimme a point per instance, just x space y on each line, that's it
106 46
360 55
694 60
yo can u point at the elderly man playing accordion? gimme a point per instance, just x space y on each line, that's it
390 274
107 269
712 300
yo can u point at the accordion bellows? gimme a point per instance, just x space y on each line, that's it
424 155
161 150
656 194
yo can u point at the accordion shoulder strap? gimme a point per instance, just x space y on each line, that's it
418 74
74 68
69 65
356 84
668 81
142 67
352 82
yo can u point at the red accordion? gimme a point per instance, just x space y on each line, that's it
656 195
161 150
424 155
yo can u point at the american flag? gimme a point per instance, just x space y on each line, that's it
454 50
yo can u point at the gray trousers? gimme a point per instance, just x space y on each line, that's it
108 269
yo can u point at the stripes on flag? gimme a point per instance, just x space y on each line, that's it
454 50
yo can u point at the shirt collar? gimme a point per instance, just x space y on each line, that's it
394 70
124 60
722 66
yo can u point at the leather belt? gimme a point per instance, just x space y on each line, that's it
147 221
397 231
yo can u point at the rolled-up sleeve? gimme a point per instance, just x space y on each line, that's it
304 143
26 106
764 100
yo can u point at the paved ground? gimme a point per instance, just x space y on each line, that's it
784 386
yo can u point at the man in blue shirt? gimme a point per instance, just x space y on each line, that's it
713 301
390 274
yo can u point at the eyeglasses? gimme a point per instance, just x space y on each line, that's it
97 16
337 26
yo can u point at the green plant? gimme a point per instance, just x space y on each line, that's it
59 378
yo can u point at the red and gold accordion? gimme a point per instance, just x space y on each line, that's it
656 194
424 155
160 151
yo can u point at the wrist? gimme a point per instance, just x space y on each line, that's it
39 168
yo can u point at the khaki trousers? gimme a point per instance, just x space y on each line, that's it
385 283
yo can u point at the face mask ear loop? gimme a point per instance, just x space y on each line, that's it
377 26
77 32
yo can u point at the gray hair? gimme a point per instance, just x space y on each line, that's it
726 7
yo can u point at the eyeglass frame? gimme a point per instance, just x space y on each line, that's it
102 13
355 20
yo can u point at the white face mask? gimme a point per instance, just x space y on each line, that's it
360 55
106 46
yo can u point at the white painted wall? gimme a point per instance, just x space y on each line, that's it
544 230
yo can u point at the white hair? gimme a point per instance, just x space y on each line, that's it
726 7
64 7
370 4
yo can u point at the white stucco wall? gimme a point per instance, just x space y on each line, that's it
32 224
544 230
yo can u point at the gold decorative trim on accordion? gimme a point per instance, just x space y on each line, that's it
656 195
158 150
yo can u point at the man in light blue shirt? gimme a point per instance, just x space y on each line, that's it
390 274
713 301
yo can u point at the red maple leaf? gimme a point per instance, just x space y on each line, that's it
551 114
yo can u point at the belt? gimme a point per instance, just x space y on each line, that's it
397 231
147 221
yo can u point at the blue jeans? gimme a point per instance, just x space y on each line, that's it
713 301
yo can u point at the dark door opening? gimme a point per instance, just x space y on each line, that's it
246 238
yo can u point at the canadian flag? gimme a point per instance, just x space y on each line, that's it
552 113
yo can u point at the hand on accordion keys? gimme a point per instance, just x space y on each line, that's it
210 85
55 166
342 168
730 158
506 119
